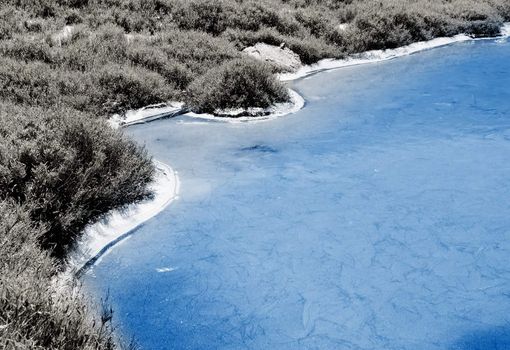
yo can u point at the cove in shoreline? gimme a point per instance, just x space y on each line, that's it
100 237
378 206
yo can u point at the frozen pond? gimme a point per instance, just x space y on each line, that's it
376 218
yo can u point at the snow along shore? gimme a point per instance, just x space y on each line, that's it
100 237
296 102
385 55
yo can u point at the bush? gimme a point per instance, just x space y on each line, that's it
253 16
239 83
382 25
198 51
210 16
68 170
13 21
27 83
27 50
123 88
149 57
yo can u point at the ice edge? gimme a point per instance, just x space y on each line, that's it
100 237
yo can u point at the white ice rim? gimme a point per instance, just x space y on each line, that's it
98 239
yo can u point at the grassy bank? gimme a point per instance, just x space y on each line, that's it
106 56
65 65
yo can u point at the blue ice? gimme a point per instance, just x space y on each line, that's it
378 217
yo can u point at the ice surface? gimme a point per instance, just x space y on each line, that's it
375 218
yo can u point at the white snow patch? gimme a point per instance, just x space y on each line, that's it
146 114
278 55
165 269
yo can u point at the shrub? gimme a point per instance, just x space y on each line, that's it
31 83
380 27
314 21
68 170
216 16
482 28
27 50
152 58
198 51
123 88
239 83
12 21
210 16
254 15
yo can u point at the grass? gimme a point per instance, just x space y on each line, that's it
65 65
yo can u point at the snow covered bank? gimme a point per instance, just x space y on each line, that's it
383 55
147 114
297 102
102 236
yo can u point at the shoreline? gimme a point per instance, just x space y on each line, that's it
297 102
100 237
375 56
118 226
